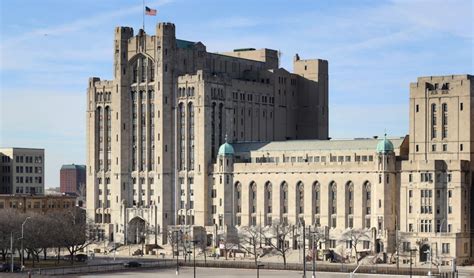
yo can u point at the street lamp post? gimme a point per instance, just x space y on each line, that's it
177 253
194 256
259 265
314 256
304 248
22 251
411 262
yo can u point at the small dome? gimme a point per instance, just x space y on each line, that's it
384 145
226 149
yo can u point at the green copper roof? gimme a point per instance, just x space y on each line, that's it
226 149
385 145
185 44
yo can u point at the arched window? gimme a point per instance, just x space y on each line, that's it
332 204
299 199
238 203
268 203
349 204
253 203
284 202
367 203
316 203
135 72
191 135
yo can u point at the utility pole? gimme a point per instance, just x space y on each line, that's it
314 256
304 249
22 252
177 254
11 251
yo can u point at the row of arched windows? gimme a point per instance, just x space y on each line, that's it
143 70
186 92
103 96
300 202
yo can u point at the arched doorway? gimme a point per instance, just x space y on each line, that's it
424 250
136 230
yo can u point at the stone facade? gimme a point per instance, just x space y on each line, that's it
21 171
154 131
36 204
182 136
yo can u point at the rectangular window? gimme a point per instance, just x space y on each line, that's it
461 106
445 147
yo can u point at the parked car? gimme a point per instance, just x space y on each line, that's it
81 257
7 268
132 264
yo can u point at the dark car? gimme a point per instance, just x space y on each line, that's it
7 268
81 257
132 264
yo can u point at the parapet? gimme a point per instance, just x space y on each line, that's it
124 32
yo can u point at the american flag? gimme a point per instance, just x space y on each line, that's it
149 11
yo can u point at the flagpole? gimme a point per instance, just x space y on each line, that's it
143 11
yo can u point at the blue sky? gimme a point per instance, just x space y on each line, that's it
375 48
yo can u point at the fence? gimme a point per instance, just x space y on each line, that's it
170 263
101 268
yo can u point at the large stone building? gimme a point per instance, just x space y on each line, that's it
186 137
154 131
21 171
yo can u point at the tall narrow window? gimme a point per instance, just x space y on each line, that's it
349 204
237 202
316 203
333 203
213 131
366 203
445 120
252 202
142 70
182 133
268 203
191 136
433 121
221 120
152 71
299 198
283 201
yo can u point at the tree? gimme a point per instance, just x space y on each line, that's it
72 230
354 237
278 235
249 240
10 223
316 235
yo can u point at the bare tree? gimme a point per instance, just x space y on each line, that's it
10 224
317 235
278 235
354 237
249 239
73 230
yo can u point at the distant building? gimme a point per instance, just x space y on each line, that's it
37 204
73 178
21 171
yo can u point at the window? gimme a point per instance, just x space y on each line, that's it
461 106
417 108
417 148
433 148
445 248
445 147
444 120
433 121
461 147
